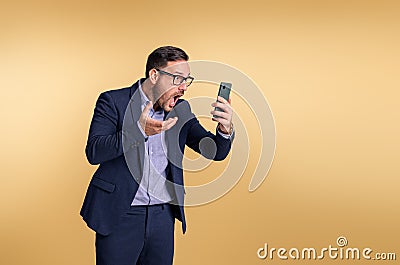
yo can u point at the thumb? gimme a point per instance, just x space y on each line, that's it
146 109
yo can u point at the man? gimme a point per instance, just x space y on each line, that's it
138 135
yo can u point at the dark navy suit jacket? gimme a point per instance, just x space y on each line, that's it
116 143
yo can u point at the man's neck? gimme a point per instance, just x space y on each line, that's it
147 88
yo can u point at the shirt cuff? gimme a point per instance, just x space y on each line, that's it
225 135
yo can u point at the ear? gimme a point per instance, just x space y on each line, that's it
153 76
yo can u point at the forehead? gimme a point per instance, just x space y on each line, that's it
178 67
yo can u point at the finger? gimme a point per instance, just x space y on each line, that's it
225 107
223 100
220 114
154 124
169 123
218 104
224 122
153 127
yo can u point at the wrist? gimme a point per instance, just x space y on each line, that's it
224 130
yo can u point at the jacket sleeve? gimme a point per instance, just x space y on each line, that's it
211 146
105 139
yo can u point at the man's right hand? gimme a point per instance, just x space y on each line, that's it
151 126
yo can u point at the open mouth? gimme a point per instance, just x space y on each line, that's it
174 99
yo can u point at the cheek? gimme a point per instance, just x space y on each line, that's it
165 98
168 93
162 92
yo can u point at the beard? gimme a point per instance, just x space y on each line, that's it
167 99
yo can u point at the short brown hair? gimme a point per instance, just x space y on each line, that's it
162 55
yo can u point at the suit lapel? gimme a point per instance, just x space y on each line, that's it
132 136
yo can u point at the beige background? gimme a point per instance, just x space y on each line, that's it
329 69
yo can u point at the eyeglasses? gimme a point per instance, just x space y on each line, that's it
178 79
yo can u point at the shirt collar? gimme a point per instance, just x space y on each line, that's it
143 98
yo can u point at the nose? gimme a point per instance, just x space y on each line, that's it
183 86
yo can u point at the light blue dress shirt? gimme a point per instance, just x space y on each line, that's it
152 188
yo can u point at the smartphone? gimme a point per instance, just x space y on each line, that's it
224 91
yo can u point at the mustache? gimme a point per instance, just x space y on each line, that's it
159 94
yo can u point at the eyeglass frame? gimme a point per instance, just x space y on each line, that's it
184 79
